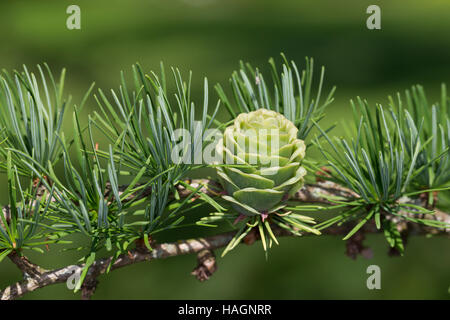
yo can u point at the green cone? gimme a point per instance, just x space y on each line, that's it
262 157
266 144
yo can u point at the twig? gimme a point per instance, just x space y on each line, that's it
206 265
39 278
28 268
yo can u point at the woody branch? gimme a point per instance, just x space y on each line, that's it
35 277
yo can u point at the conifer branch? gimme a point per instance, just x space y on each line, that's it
313 193
384 177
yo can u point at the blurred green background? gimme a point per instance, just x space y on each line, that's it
210 37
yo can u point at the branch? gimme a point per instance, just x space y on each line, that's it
28 268
99 267
39 278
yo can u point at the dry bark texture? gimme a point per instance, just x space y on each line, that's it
36 277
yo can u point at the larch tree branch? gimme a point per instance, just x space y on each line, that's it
35 277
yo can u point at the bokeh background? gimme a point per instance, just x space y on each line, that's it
210 37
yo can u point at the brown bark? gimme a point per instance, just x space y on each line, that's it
36 277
